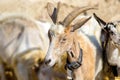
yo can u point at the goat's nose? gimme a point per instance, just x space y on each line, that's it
48 61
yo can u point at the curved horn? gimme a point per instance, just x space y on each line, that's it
50 8
58 9
74 14
80 23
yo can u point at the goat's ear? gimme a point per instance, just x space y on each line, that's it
79 24
100 21
104 34
53 11
103 38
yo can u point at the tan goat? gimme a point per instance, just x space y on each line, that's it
64 37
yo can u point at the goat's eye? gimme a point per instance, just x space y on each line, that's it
63 40
112 33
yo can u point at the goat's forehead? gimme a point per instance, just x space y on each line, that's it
58 29
110 25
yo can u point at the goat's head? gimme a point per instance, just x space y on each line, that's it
61 33
110 30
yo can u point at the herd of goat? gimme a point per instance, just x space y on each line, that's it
87 49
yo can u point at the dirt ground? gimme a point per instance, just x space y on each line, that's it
37 8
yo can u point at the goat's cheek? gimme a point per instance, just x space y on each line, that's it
57 53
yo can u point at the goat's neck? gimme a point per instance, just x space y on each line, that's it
75 50
73 57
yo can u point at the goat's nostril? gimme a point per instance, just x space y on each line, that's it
48 61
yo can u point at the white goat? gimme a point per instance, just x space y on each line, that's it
110 40
22 44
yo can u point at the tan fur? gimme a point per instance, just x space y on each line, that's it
88 63
87 70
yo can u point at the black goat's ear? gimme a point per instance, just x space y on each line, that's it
103 37
104 33
53 11
100 21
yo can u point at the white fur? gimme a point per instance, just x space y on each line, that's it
14 54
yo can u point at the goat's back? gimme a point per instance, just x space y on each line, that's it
19 34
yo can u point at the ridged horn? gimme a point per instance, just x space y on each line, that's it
80 23
58 9
68 19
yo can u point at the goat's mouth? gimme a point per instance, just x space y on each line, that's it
50 63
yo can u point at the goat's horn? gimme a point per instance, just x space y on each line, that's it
80 23
58 9
49 8
74 14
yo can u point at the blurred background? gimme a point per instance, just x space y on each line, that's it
107 9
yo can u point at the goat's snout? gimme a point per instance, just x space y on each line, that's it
47 61
50 60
